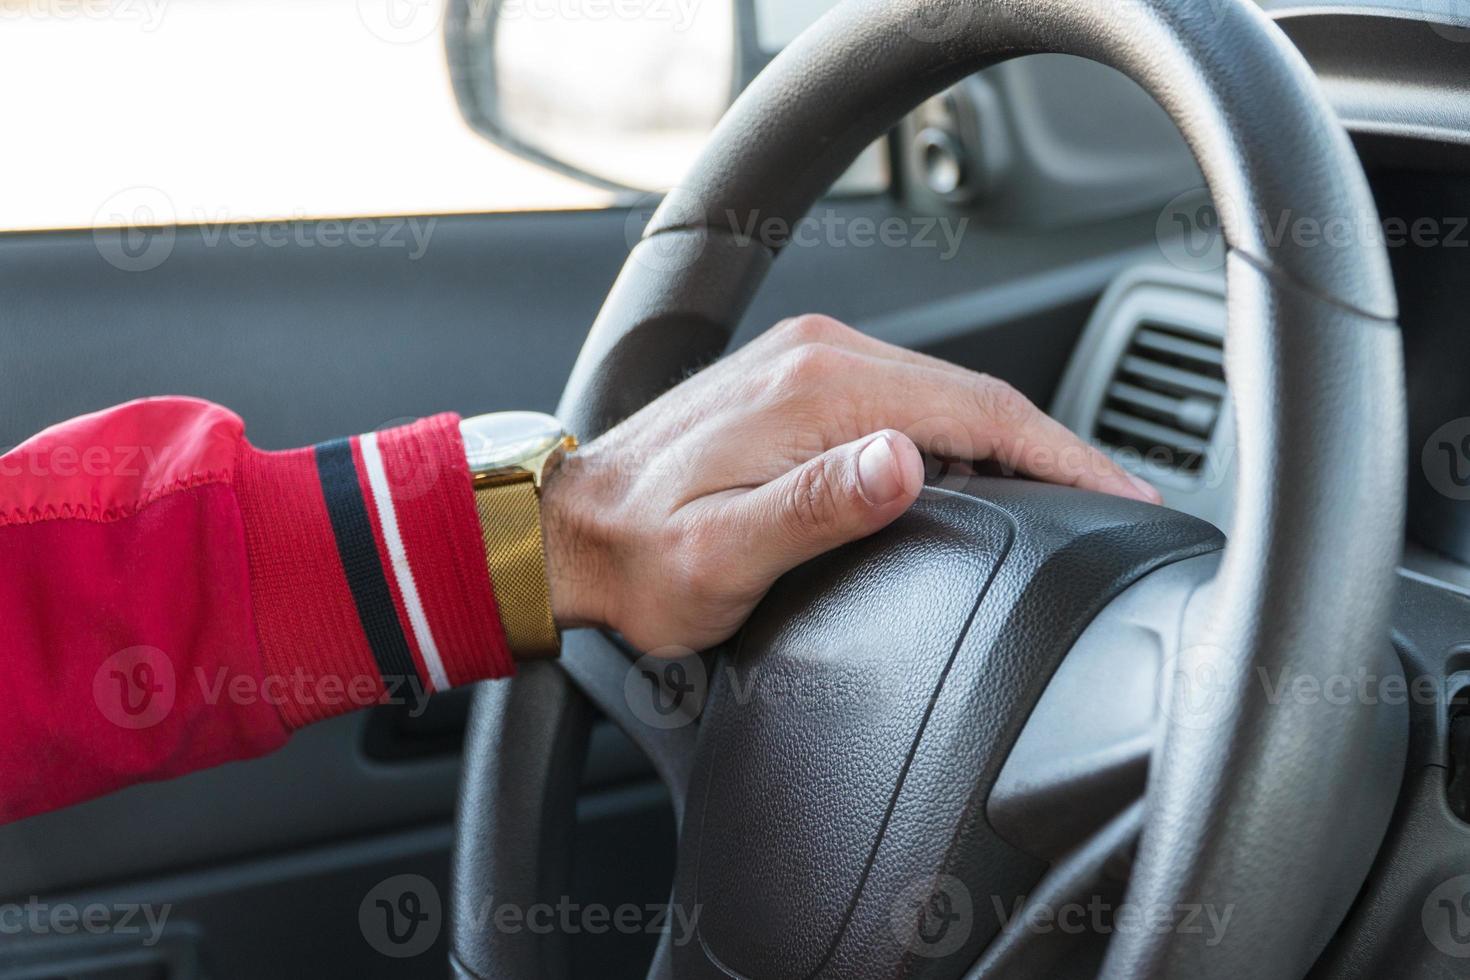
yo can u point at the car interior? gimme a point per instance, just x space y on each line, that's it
1187 228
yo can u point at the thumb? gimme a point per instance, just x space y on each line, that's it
842 495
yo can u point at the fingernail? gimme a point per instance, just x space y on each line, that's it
1145 489
878 472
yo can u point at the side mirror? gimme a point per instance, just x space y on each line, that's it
621 93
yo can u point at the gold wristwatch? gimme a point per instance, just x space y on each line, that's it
510 454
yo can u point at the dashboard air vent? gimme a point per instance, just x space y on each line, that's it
1165 397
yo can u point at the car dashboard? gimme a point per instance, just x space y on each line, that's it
1146 380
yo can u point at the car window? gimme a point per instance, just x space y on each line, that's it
233 110
219 112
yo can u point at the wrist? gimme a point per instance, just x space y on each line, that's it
576 543
511 458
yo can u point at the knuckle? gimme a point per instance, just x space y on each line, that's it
701 566
812 328
1000 401
808 366
815 497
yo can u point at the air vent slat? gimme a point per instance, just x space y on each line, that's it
1175 377
1160 434
1165 397
1193 350
1151 401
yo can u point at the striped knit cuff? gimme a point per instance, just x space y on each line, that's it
366 570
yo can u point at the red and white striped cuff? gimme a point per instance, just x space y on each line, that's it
367 574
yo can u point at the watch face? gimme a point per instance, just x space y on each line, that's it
508 439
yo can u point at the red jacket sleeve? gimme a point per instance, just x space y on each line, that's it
174 598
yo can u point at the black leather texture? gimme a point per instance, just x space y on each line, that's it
1255 810
853 735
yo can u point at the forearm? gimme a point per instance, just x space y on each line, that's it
175 598
213 598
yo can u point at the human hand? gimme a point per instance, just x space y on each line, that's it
672 526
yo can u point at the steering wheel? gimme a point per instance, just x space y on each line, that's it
925 747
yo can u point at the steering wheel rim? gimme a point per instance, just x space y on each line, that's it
1314 360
